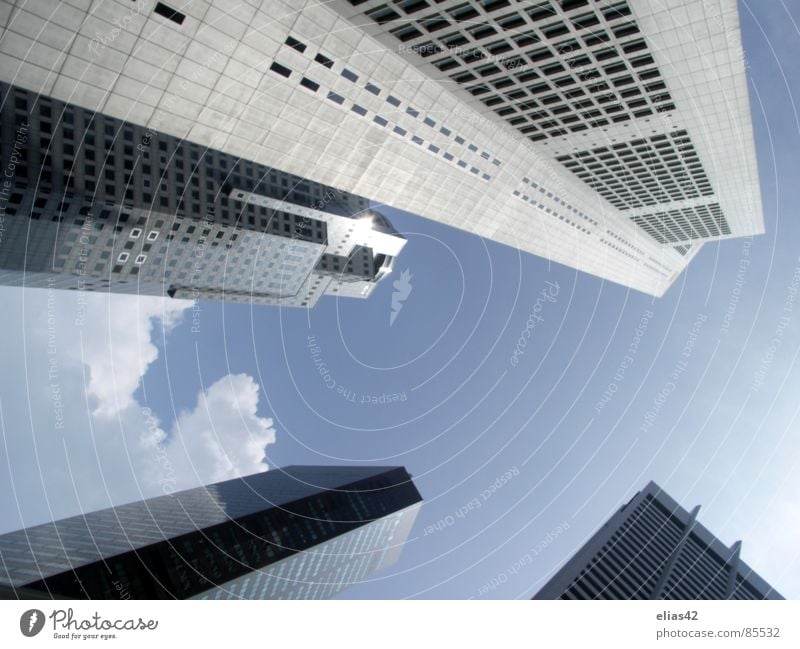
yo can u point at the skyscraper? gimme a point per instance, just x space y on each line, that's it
613 136
302 532
91 202
652 548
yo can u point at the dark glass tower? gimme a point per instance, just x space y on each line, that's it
652 548
302 532
90 202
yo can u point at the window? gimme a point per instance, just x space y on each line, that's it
295 44
168 12
323 60
280 69
350 76
135 233
152 235
123 257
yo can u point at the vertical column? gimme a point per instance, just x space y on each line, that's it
665 573
733 569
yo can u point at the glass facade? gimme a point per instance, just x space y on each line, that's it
216 541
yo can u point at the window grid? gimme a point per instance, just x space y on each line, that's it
548 68
673 226
642 172
427 122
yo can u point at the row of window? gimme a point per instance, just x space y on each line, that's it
557 199
123 257
353 77
397 129
548 210
625 242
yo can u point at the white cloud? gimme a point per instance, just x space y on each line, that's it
117 347
223 437
74 438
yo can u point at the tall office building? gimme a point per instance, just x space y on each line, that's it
302 532
652 548
613 136
91 202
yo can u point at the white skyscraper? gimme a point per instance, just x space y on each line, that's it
613 137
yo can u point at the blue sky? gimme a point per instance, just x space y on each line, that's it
136 385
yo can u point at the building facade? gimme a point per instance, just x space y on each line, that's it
613 136
302 532
652 548
91 202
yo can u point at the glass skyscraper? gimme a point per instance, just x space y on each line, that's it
301 532
652 548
